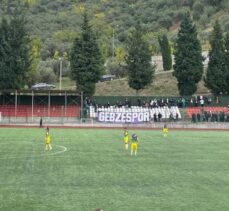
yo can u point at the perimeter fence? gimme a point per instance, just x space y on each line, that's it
70 107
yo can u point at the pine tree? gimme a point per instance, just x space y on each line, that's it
14 53
215 80
188 68
139 66
86 59
166 52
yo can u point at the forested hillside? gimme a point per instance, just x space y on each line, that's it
78 38
55 24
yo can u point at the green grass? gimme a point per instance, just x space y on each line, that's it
187 171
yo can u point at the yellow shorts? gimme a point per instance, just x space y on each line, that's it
126 139
134 146
47 141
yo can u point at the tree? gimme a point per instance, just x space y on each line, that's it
115 68
139 67
226 61
35 48
86 59
5 70
166 52
188 68
15 60
45 73
215 80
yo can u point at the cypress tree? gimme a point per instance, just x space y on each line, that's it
6 76
165 52
215 80
139 66
86 59
188 68
14 53
21 53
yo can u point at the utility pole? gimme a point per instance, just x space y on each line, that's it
61 67
113 44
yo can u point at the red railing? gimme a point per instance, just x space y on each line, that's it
40 111
213 109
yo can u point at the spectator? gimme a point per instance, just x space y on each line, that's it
183 102
201 101
139 102
209 100
194 118
222 117
151 104
196 101
159 117
171 117
127 103
177 116
117 103
206 115
155 117
167 101
41 122
227 117
144 103
191 102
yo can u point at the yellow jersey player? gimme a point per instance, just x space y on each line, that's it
126 139
48 145
165 130
47 131
134 144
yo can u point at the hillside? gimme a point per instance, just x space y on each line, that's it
53 26
56 23
164 84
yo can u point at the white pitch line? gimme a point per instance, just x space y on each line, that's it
64 149
59 152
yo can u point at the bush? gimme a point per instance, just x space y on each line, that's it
119 70
45 73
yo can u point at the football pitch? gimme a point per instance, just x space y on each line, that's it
89 169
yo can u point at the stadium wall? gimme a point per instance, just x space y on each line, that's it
90 123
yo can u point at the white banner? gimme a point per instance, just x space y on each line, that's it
122 117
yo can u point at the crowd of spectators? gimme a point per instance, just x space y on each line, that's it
181 102
210 117
155 103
